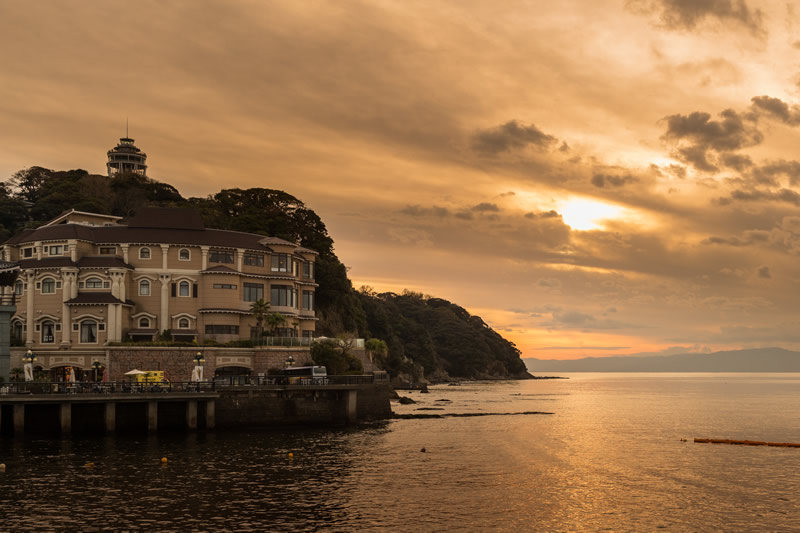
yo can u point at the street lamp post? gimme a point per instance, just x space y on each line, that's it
96 366
289 362
197 375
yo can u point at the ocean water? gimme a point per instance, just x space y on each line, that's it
609 457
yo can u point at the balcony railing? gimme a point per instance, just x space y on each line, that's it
300 381
103 387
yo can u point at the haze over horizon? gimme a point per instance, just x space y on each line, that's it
607 177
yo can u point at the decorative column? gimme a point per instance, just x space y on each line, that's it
164 256
239 258
29 312
69 279
124 252
73 250
39 251
204 255
164 318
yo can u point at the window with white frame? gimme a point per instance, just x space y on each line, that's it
48 332
18 287
144 288
93 283
55 249
89 331
184 254
48 286
183 323
144 253
144 322
184 289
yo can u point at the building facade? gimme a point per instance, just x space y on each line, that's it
87 280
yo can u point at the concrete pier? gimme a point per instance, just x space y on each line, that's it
65 418
152 416
19 418
211 415
352 406
110 417
191 414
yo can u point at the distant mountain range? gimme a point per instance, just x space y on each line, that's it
753 360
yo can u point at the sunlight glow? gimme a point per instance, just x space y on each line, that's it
584 214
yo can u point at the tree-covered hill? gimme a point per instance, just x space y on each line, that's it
423 335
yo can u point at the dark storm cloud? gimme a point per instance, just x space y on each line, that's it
769 173
689 14
736 161
781 195
544 214
509 136
419 211
583 321
777 108
603 180
697 137
485 207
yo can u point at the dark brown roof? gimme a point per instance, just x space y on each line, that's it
90 298
103 262
142 331
166 218
187 234
47 262
221 269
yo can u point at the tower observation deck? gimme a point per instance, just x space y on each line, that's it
126 157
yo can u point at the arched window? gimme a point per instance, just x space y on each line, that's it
144 288
183 288
183 323
18 287
144 253
144 323
48 286
17 331
89 331
94 283
184 254
48 332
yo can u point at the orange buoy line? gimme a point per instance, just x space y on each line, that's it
749 442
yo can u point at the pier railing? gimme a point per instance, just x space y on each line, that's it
110 387
263 381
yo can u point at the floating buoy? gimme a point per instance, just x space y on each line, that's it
163 460
291 455
2 467
89 465
423 450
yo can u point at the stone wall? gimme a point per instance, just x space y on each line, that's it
179 362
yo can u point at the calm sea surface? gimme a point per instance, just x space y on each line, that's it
610 457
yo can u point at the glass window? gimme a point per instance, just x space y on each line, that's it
48 286
308 300
216 256
281 263
56 250
144 288
308 334
183 288
222 329
184 254
253 292
283 295
308 270
224 286
254 260
88 331
183 323
94 283
48 335
27 252
16 331
144 253
18 287
144 323
108 250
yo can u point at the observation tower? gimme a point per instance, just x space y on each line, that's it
126 157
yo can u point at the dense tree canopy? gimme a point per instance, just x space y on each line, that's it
423 335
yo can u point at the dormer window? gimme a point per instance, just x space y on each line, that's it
144 253
108 250
144 323
183 323
54 249
184 254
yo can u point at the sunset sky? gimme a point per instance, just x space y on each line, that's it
591 177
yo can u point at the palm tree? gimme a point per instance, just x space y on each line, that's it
260 309
275 320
